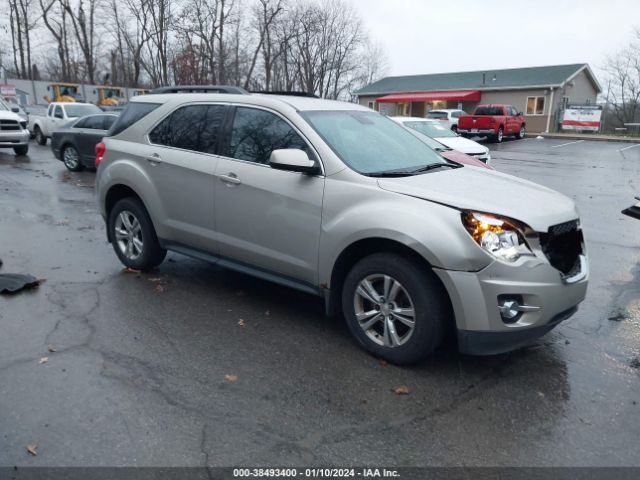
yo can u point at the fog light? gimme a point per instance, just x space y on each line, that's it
512 307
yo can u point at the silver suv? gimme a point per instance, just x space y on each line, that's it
338 201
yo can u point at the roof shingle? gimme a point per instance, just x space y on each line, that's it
514 77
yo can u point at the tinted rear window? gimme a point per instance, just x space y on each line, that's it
135 111
488 111
194 127
438 115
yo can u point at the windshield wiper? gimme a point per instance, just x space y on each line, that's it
391 173
434 166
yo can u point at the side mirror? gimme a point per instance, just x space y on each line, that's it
15 109
292 159
520 114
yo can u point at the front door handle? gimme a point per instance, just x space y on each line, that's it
154 159
230 179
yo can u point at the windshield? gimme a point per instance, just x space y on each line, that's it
371 143
430 129
437 115
3 105
434 144
81 110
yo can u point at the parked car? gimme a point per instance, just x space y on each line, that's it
494 121
58 115
75 144
448 114
449 153
441 131
13 129
339 201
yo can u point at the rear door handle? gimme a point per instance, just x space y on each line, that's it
230 179
154 159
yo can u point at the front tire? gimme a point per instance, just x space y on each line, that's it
71 158
394 308
21 150
40 137
133 236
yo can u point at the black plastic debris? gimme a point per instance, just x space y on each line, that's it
14 282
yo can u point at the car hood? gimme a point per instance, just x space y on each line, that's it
483 190
462 144
7 115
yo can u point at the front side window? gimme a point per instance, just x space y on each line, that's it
58 112
535 105
370 143
257 133
194 127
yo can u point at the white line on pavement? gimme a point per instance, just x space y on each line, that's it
627 148
565 144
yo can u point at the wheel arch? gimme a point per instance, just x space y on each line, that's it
360 249
116 193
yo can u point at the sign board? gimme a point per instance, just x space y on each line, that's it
582 117
7 90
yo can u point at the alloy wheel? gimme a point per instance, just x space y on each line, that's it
70 157
384 310
128 235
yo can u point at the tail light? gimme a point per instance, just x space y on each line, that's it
100 150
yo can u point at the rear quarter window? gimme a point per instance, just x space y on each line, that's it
134 112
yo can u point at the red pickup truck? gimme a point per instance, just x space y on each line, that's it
494 121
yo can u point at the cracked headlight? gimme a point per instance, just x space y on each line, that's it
503 238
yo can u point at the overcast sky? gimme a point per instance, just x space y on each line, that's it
429 36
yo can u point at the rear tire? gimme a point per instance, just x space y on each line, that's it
383 327
21 150
40 138
499 136
133 236
521 133
71 158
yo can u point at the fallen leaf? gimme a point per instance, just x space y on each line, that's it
43 360
403 390
51 348
159 288
155 279
32 450
267 313
382 362
241 323
231 378
130 270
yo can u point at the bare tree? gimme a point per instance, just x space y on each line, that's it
54 16
84 26
265 14
21 25
623 70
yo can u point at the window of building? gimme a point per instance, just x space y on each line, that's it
256 133
535 105
404 109
372 105
195 128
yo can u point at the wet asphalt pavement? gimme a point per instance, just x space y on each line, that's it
138 375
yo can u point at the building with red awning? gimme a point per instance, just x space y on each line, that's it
541 93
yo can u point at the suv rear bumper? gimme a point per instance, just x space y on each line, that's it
476 297
13 138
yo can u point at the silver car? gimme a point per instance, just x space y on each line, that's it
338 201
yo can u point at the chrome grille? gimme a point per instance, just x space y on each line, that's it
9 125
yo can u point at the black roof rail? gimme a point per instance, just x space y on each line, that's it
200 89
282 92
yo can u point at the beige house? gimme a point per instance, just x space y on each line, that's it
541 93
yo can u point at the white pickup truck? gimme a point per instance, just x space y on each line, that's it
58 115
